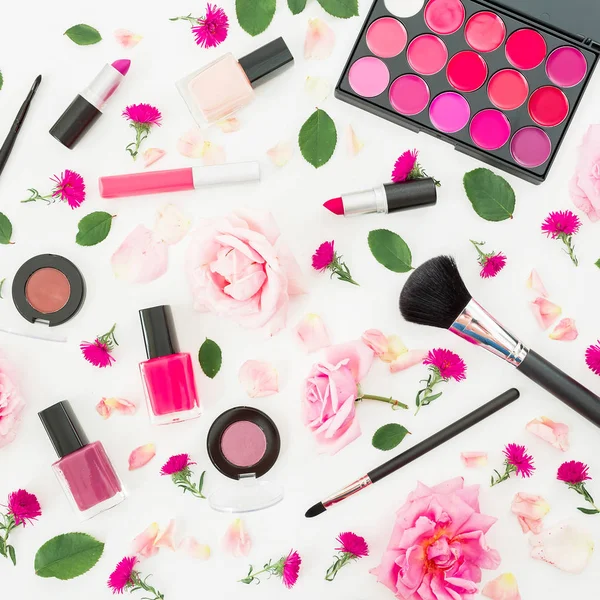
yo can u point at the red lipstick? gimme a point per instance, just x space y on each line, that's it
386 198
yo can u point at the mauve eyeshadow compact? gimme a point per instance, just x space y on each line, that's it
500 81
243 444
48 289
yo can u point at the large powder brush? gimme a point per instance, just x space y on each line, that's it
436 295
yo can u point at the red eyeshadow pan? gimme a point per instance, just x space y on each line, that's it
444 16
386 37
508 89
548 106
427 54
485 31
525 49
466 71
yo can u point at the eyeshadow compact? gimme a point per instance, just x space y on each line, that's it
499 81
243 444
48 289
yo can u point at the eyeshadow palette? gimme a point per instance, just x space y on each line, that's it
498 85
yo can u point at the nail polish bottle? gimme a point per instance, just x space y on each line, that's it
224 86
83 469
167 375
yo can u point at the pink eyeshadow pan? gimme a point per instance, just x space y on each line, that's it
386 37
530 147
369 76
243 443
444 16
490 129
566 66
449 112
409 95
47 290
485 31
427 54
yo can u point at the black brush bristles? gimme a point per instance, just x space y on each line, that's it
434 294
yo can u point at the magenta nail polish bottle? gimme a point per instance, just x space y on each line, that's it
167 375
83 469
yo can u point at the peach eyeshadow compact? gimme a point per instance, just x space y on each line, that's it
499 81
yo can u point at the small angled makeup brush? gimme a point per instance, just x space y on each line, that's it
436 295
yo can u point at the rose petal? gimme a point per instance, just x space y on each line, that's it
319 41
152 155
534 282
354 144
171 224
317 89
259 379
190 546
125 407
229 125
213 154
191 143
356 356
143 544
530 511
564 546
103 409
473 460
312 333
565 331
236 540
164 539
408 359
281 153
141 456
556 434
545 312
376 340
504 587
142 257
127 38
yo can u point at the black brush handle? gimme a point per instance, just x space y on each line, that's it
442 436
565 388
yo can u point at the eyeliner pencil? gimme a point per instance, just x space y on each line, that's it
437 439
11 138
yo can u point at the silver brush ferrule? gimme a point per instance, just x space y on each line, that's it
477 326
349 490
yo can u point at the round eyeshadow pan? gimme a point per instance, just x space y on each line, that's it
444 16
449 112
548 106
386 37
530 147
243 443
404 8
466 71
485 31
508 89
369 77
525 49
566 66
47 290
427 54
409 95
490 129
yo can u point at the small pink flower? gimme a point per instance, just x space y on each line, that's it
178 463
312 333
98 353
319 40
237 541
534 282
530 511
69 188
123 576
573 472
563 225
556 434
324 255
24 507
350 543
565 331
212 29
178 468
405 163
142 117
474 459
259 378
491 263
448 364
291 569
516 461
504 587
592 358
545 312
141 456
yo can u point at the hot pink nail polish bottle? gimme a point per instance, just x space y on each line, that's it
167 375
84 470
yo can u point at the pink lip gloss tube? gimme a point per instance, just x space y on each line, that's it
83 469
177 180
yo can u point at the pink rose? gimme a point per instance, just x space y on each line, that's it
331 390
585 184
438 547
11 404
238 267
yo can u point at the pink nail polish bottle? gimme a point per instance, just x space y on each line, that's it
84 470
167 375
224 86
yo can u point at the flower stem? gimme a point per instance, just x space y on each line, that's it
482 254
568 242
34 196
502 477
137 583
182 480
418 172
192 20
270 567
426 396
394 403
338 267
109 338
340 562
581 489
141 133
6 549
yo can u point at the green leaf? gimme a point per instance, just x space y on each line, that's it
296 6
1 80
5 229
254 16
317 138
83 35
597 263
11 553
210 358
94 228
588 511
492 196
68 556
390 250
343 9
389 436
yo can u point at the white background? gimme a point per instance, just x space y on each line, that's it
31 42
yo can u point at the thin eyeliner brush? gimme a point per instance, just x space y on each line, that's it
437 439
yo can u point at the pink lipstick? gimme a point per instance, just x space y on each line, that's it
386 198
87 107
176 180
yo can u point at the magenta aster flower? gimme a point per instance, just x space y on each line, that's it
443 366
491 263
404 166
517 461
98 352
563 225
69 187
211 29
142 117
575 473
176 464
326 258
592 358
286 568
23 507
178 467
123 576
351 547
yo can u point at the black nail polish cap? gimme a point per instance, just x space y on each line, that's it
266 62
63 428
159 331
